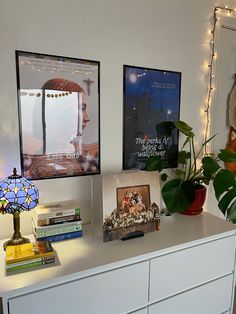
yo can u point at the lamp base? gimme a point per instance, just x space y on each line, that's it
15 241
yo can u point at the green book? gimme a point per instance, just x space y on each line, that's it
30 265
30 261
48 231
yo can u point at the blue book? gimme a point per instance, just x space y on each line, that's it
63 236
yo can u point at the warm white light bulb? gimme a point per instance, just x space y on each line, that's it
202 111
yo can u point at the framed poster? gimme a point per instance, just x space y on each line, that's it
151 97
59 117
131 202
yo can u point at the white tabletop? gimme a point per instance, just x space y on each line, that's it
84 256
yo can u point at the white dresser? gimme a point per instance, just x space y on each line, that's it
186 267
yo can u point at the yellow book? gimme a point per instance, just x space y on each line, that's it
28 251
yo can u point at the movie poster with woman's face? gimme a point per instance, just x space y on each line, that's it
58 101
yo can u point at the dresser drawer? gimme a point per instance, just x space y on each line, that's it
117 291
211 298
175 272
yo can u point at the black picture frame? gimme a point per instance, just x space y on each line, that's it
150 96
59 115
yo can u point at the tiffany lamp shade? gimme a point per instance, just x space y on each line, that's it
16 195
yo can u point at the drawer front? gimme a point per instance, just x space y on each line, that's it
116 291
178 271
211 298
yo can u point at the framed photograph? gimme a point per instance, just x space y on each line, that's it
59 115
133 198
151 97
131 202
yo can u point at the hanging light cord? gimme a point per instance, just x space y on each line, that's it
210 66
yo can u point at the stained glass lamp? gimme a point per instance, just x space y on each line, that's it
16 195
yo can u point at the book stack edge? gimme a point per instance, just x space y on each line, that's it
57 221
29 255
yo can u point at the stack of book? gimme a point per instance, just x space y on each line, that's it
57 221
28 255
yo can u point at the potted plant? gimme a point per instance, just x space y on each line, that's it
195 171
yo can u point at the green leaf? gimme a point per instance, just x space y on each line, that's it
165 128
178 195
208 140
164 176
223 181
187 140
231 213
184 128
210 166
179 172
154 163
226 200
227 156
183 156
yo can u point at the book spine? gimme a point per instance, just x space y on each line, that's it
58 220
34 260
20 259
61 237
61 229
31 265
55 213
57 226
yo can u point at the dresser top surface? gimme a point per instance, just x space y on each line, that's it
88 255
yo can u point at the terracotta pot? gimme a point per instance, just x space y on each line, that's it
196 207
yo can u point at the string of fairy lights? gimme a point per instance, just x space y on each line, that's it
218 11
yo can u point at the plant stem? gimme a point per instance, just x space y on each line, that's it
190 161
194 155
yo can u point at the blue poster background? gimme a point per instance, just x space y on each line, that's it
150 97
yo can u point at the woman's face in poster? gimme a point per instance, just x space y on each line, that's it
85 116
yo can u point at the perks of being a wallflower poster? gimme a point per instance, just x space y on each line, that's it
58 100
150 97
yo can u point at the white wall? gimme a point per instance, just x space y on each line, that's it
167 34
